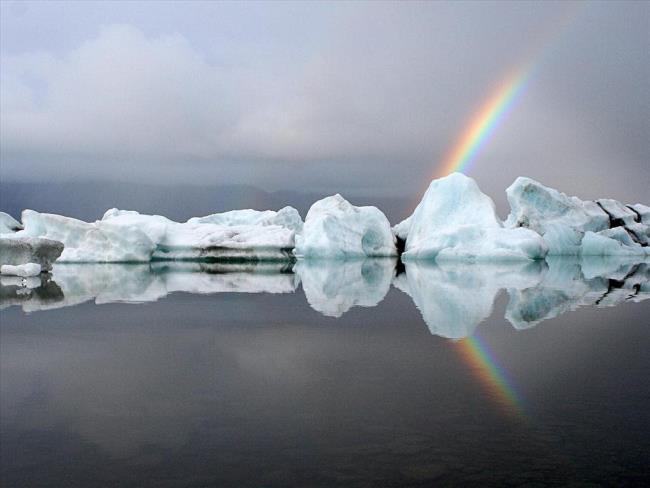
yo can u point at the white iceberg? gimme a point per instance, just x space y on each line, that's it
334 228
456 221
128 236
285 217
610 242
23 270
643 211
86 242
194 240
333 287
21 250
571 226
8 224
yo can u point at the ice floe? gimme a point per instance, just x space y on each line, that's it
128 236
334 228
17 251
8 224
571 226
456 221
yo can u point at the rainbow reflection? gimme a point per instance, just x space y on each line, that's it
484 365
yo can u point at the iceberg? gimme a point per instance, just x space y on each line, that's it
643 211
571 226
128 236
16 251
334 287
334 228
285 217
195 240
8 224
456 221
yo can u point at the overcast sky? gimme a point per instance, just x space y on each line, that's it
350 97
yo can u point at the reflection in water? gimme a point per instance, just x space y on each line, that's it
332 288
453 298
568 285
492 375
211 390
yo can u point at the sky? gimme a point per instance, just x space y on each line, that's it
364 98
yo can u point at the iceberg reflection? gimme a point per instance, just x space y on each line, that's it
334 287
453 298
569 284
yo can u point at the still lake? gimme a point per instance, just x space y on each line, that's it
356 374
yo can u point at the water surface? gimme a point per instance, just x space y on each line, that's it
327 374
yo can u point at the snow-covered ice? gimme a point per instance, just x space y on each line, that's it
285 217
21 250
456 221
128 236
571 226
334 228
8 224
206 240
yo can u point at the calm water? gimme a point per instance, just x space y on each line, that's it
350 374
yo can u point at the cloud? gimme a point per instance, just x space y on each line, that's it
373 102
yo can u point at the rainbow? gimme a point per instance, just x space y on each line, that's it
464 153
484 365
492 112
484 123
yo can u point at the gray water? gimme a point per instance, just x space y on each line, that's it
322 374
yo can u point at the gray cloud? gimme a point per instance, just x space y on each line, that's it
364 97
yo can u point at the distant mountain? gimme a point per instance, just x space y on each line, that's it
88 201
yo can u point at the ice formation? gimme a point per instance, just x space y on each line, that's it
205 240
17 251
128 236
456 221
24 270
571 226
285 217
334 228
8 224
333 287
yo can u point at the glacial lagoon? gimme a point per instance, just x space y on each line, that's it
326 373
